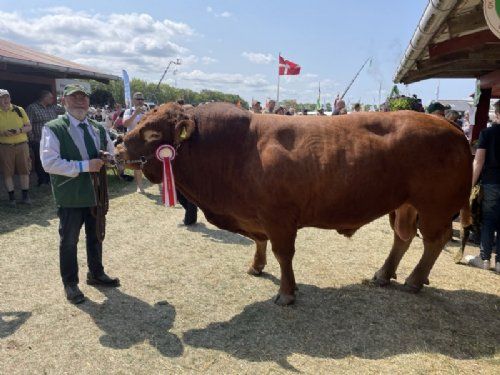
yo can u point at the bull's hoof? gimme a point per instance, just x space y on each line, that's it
413 288
255 271
284 299
382 281
379 281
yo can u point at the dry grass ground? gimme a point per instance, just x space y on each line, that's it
186 304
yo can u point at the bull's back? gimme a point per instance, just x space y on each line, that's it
343 173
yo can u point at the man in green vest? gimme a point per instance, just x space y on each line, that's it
69 152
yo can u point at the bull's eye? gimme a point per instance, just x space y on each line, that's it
151 135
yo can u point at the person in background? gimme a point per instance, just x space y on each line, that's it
117 118
39 113
453 116
280 110
14 149
466 126
356 107
130 119
338 106
256 107
270 107
487 166
436 108
69 150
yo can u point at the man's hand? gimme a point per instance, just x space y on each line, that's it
140 110
95 165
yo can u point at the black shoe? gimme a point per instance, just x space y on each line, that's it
191 215
103 280
126 177
73 294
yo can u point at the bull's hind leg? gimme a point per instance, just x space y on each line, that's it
283 245
404 223
259 259
436 233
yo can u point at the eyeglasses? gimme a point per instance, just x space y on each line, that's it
139 99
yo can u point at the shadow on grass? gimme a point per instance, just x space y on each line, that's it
218 235
11 321
359 320
127 321
43 208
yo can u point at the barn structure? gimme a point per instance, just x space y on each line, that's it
457 39
25 71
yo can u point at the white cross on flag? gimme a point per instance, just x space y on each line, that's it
288 68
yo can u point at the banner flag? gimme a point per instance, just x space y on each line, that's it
126 87
287 67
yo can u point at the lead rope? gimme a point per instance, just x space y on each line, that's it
99 211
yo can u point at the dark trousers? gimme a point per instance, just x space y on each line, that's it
43 177
191 214
71 221
491 221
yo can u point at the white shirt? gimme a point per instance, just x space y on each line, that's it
50 154
128 114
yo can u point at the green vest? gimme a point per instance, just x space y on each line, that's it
77 191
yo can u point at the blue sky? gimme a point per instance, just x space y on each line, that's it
233 46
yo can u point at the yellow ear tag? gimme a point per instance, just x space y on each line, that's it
183 134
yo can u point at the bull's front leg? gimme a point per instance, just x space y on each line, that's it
259 259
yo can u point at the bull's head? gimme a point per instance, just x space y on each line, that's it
168 124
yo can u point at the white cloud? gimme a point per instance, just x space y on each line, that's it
258 58
199 76
208 60
224 14
136 42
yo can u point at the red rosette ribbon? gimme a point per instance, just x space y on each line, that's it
165 154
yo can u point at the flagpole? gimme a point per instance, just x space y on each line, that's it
356 76
278 93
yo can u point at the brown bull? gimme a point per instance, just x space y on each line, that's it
266 176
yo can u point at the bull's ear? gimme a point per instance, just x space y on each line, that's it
183 130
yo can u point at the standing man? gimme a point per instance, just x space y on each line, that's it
130 119
69 150
14 150
39 113
487 165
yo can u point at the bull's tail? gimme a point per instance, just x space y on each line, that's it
465 227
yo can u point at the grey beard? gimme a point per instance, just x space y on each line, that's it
78 114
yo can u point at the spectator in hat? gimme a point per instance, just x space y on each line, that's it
436 108
131 118
14 149
39 113
69 150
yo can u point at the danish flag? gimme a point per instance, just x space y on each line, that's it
288 68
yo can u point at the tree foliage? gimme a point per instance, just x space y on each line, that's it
164 93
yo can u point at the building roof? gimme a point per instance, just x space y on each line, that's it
23 60
452 40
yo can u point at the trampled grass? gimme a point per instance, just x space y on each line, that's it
186 304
